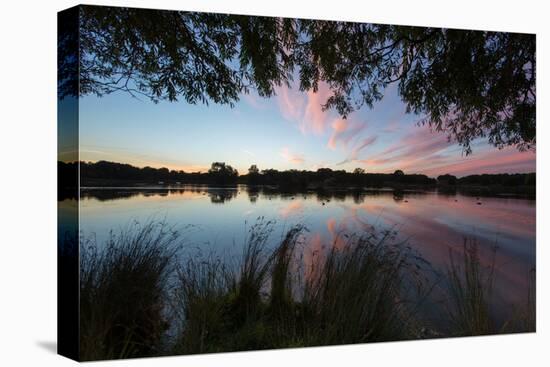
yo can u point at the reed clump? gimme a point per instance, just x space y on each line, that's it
123 292
351 295
470 295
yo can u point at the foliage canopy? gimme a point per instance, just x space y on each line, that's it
467 83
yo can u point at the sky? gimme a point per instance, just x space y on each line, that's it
287 131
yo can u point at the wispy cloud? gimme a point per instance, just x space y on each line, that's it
291 157
415 149
315 119
343 131
507 160
429 152
391 127
291 103
305 109
353 156
419 145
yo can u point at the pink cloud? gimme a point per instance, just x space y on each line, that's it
305 109
291 157
291 103
410 151
358 148
315 118
343 131
392 126
507 160
425 151
365 143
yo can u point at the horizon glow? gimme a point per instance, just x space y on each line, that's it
287 131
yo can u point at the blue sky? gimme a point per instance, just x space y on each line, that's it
288 131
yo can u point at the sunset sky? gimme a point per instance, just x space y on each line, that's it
288 131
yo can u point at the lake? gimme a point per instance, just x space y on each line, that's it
432 223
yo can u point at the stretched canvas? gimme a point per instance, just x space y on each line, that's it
234 183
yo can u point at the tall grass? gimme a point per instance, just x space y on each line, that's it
356 295
140 296
470 289
524 316
123 287
470 297
220 304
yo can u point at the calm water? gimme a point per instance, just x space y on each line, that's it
431 222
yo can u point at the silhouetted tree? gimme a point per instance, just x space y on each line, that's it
468 84
530 179
503 179
324 172
253 170
222 173
447 179
253 175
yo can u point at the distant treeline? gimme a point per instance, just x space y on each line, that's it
504 179
105 173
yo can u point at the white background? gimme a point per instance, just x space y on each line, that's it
28 183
